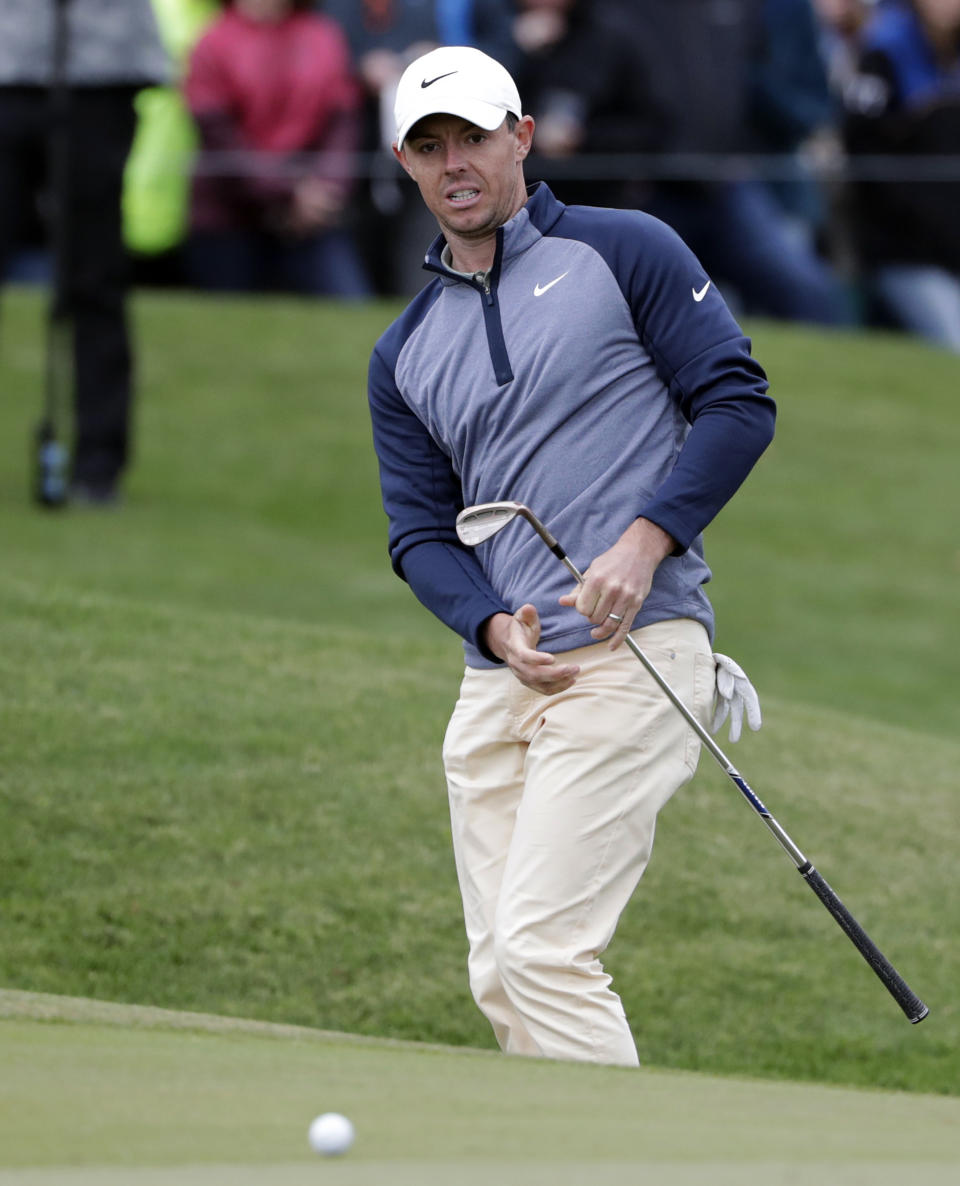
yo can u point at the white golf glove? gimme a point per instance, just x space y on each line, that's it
735 694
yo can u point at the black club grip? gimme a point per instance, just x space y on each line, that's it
898 988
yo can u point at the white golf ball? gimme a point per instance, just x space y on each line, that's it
331 1134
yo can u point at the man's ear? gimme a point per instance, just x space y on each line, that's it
401 157
524 135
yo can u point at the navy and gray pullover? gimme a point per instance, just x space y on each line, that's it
597 377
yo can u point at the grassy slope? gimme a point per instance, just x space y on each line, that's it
219 785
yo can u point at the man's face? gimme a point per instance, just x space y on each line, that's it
471 180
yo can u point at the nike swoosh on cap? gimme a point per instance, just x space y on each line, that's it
430 82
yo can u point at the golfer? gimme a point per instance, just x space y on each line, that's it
577 360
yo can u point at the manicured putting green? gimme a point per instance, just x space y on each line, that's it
91 1093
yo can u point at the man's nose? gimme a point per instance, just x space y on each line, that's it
453 158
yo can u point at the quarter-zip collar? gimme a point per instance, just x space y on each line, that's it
531 221
515 236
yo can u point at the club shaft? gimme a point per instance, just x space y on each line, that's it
728 767
909 1002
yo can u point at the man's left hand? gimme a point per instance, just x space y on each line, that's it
616 584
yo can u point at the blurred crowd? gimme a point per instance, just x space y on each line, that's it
807 150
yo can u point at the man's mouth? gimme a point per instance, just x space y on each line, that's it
463 195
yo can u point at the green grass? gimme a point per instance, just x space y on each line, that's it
221 715
137 1096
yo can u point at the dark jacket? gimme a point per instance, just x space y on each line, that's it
612 101
698 57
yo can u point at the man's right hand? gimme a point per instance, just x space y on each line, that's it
513 638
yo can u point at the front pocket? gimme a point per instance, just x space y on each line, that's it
704 690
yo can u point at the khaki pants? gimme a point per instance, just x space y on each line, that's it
553 802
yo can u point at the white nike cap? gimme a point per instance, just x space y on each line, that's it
455 80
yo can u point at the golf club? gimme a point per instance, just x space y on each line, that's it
478 523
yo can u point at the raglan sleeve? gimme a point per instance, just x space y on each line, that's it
705 361
422 497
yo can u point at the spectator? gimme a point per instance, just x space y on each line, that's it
793 112
271 87
906 101
156 193
840 23
698 55
112 50
385 36
579 113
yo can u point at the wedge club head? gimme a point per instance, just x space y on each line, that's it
478 523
